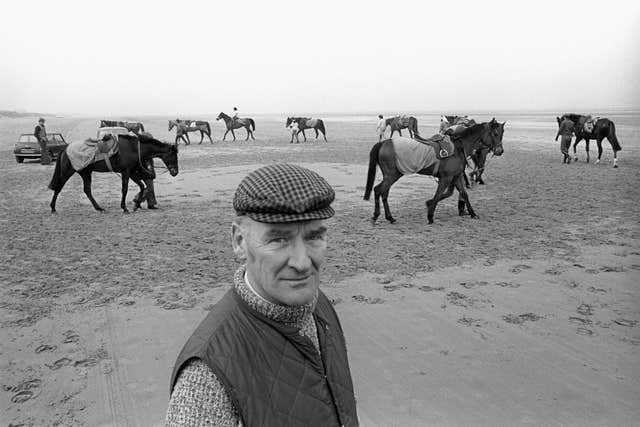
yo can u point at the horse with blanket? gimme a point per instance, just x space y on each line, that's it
442 156
135 127
307 123
125 154
588 128
399 122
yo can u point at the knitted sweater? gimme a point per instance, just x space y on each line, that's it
198 397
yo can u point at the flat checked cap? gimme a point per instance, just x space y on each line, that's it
283 192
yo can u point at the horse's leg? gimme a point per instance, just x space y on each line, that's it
599 144
443 184
382 191
463 199
575 145
317 134
248 132
86 180
466 179
188 139
304 135
201 137
234 134
586 141
615 154
209 136
141 196
63 181
125 188
225 135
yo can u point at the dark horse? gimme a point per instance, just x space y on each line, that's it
398 123
183 127
135 127
601 129
479 158
308 123
246 123
449 170
133 152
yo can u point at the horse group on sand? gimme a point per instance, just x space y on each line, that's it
461 143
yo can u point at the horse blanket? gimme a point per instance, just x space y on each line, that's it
413 156
83 153
311 123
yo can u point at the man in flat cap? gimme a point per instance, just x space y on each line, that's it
41 136
271 352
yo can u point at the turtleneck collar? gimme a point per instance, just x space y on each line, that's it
289 315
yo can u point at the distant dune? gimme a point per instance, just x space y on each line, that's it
14 114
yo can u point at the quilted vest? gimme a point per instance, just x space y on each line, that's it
272 374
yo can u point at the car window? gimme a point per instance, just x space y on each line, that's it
28 138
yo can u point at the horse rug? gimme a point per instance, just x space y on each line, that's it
413 156
83 153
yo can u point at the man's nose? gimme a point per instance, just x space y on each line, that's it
299 256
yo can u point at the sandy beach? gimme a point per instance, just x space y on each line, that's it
528 315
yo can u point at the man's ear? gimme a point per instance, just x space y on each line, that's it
239 240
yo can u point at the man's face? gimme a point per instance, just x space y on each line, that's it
283 260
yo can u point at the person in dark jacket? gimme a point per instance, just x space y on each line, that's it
272 351
40 132
149 194
565 129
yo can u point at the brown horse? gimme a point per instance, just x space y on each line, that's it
231 124
600 129
397 123
135 127
183 127
133 152
449 170
308 123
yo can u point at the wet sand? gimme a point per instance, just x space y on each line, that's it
526 316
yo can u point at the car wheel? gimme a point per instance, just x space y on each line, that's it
19 159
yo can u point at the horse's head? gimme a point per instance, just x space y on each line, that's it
221 116
289 120
497 132
170 159
171 124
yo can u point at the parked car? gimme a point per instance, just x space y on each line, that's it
27 146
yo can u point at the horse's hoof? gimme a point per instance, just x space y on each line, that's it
474 216
391 220
615 166
430 220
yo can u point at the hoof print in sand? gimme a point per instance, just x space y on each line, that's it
71 337
459 299
65 361
612 269
518 319
585 309
469 285
24 390
468 321
596 290
518 268
585 331
507 284
427 288
45 347
626 322
367 300
580 320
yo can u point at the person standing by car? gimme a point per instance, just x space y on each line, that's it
41 135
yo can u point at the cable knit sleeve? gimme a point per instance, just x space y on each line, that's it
199 399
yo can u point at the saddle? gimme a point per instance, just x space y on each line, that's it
441 144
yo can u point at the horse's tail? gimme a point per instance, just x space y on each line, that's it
56 183
613 139
373 164
253 124
321 126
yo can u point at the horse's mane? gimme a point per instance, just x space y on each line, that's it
572 116
471 129
144 138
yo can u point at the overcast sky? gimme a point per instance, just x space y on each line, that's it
137 58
